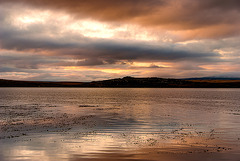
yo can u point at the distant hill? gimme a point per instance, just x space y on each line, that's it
212 78
131 82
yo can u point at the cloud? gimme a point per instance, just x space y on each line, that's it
154 66
85 51
26 60
101 39
100 51
201 17
6 69
90 62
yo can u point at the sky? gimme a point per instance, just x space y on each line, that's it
88 40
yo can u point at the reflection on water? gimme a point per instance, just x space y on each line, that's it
119 124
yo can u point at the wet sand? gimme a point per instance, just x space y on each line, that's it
107 130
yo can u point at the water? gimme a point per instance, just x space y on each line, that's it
79 124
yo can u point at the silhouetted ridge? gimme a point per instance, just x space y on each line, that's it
128 82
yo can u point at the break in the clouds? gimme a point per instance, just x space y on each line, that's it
99 39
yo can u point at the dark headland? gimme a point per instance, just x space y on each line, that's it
128 82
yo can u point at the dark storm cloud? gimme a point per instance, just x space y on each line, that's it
221 15
27 61
114 51
15 69
155 66
222 4
12 38
102 9
6 69
98 51
90 62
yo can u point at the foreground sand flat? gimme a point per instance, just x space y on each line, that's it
119 124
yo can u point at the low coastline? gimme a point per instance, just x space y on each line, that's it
130 82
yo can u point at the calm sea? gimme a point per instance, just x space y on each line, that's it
78 124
